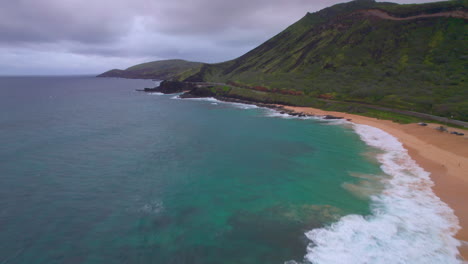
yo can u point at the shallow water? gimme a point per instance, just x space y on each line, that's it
93 172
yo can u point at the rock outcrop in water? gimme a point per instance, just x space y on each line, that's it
170 87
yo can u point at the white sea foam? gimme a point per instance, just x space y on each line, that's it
206 99
156 93
409 223
278 114
275 113
176 97
215 101
243 106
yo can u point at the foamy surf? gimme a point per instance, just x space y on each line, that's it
215 101
243 106
275 113
205 99
409 223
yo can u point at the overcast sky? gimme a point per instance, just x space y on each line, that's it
92 36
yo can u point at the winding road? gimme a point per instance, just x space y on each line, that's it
384 15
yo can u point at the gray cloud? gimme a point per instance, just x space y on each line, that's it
83 36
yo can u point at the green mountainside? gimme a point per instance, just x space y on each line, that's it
164 69
410 57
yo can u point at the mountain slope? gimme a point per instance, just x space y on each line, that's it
411 57
165 69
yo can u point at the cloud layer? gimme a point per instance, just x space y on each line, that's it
78 36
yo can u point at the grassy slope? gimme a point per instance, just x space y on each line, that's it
165 69
418 65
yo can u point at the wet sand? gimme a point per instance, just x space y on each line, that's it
442 154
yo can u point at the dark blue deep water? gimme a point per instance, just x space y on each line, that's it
92 171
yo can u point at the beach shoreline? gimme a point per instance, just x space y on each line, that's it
442 154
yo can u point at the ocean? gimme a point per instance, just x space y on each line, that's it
92 171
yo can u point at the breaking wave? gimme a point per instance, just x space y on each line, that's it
408 224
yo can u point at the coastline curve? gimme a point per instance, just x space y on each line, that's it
409 223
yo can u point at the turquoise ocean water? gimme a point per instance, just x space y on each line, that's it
92 171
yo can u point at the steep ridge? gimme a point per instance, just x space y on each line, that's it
410 57
164 69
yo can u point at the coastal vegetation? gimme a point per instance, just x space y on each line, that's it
165 69
404 57
255 96
346 50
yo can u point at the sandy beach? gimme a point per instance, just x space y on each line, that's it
442 154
